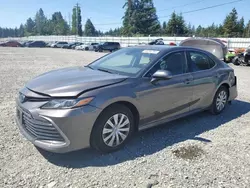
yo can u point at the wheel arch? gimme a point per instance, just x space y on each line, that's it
130 105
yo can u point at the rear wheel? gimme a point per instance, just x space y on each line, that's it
220 100
112 129
236 62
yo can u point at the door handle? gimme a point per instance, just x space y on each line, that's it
187 81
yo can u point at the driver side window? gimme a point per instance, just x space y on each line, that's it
174 62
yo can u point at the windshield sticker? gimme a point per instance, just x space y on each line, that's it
150 52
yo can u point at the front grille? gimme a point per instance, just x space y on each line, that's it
41 130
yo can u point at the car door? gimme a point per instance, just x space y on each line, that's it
166 98
205 77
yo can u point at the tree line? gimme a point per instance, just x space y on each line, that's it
140 19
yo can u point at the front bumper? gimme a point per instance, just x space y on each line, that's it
72 126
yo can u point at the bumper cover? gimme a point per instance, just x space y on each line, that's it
74 125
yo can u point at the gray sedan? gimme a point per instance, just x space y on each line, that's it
103 104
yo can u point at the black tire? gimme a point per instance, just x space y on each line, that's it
87 48
236 62
214 109
97 140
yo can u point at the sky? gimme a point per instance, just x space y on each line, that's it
106 14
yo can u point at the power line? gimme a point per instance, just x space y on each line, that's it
196 10
205 8
184 5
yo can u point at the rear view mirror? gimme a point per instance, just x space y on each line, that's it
161 75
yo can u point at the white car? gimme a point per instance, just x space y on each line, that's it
87 46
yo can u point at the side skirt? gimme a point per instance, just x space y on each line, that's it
160 122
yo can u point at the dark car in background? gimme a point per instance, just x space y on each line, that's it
108 46
104 103
36 44
11 43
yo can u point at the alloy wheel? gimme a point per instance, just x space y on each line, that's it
221 100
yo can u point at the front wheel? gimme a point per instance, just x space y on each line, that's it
220 100
112 129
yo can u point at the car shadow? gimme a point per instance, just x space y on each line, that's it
152 140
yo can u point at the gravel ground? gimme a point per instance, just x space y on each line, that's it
197 151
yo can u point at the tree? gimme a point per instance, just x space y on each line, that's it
247 30
40 22
77 21
58 25
115 32
21 31
89 28
29 27
164 27
140 18
241 27
231 24
176 25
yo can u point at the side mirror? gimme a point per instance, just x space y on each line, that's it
161 75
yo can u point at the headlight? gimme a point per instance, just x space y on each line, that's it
66 103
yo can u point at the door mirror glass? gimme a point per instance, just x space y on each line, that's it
161 75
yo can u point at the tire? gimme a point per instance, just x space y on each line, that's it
221 97
107 142
236 62
87 48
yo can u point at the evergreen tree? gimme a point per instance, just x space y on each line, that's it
58 24
176 25
241 27
89 29
140 18
21 31
247 30
77 21
40 22
231 24
29 27
164 27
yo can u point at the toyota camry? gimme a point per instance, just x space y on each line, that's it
102 104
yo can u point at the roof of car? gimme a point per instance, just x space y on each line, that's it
163 47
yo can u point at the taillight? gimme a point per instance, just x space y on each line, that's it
232 78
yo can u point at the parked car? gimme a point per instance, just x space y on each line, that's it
58 44
11 43
91 46
230 55
76 44
109 46
104 103
157 42
38 44
215 46
242 58
80 47
71 45
87 46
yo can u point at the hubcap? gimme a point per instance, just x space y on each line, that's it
116 130
221 100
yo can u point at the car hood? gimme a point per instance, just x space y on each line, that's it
70 82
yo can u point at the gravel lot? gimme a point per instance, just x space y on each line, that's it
198 151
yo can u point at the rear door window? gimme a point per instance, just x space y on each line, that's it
199 61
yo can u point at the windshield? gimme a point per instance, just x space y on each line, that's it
127 61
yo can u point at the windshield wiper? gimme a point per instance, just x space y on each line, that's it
104 70
89 67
